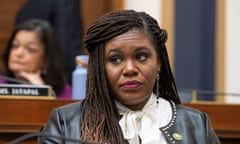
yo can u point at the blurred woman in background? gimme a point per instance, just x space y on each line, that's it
34 55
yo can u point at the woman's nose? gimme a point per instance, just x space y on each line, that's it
19 50
130 68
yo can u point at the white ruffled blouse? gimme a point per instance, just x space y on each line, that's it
142 126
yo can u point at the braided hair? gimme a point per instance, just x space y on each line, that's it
100 117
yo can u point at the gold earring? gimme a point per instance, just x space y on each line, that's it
157 87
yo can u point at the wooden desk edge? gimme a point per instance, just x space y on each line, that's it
20 127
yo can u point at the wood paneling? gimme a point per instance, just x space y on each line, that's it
91 10
220 47
168 24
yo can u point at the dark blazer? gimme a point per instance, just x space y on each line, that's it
187 126
66 17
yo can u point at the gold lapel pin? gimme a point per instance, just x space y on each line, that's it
177 136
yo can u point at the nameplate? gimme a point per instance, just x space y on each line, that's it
24 90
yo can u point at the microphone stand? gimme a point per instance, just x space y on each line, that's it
12 79
37 134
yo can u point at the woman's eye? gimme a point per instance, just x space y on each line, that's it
142 56
31 49
115 59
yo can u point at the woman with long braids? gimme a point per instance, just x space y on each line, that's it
131 92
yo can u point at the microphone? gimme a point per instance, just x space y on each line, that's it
39 134
9 79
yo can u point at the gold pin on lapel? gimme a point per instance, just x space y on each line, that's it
177 136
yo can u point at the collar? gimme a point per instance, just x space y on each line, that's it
143 125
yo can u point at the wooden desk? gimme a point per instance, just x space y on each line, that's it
22 116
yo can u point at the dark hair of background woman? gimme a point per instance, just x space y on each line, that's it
100 115
54 74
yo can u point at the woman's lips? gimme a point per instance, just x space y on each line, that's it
17 62
131 85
